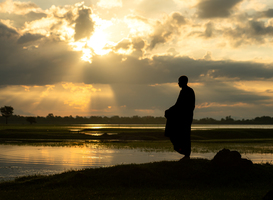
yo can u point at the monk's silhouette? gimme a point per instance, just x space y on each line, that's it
179 119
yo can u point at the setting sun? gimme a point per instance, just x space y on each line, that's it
97 42
94 45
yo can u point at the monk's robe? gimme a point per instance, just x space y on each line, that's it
179 120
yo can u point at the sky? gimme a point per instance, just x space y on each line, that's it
124 57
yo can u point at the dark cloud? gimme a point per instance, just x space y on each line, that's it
8 38
6 31
20 20
138 43
165 31
124 44
250 32
84 26
112 68
47 64
259 28
240 70
27 37
32 16
62 17
68 16
24 5
268 13
209 30
216 91
178 18
215 8
161 35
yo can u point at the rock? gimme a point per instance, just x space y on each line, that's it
227 158
269 195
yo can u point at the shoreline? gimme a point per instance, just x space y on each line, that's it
191 179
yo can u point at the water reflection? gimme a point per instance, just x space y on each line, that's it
78 127
29 160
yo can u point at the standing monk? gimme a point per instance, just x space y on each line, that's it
179 119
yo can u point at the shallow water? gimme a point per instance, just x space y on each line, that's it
18 161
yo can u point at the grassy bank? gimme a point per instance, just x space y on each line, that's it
192 179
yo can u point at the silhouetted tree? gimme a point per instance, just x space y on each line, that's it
31 120
6 111
50 115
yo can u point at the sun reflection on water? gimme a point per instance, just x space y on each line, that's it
21 160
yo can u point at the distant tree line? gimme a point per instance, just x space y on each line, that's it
58 120
51 119
230 120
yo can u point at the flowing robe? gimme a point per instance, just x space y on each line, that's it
179 120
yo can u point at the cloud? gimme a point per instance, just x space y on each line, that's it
209 30
268 13
216 8
34 15
113 68
217 91
178 19
17 7
207 56
172 51
138 43
84 26
6 32
124 44
134 46
259 28
252 31
19 20
27 37
49 63
164 32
